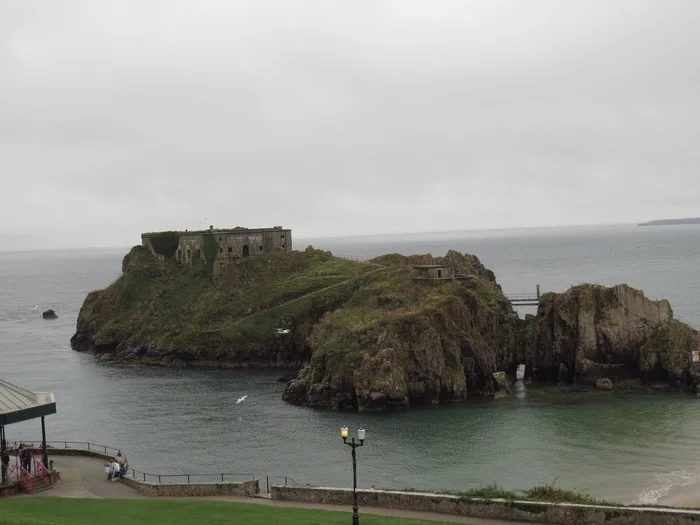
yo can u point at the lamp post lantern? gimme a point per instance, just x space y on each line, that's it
354 444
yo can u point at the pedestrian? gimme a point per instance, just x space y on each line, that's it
28 459
5 460
21 454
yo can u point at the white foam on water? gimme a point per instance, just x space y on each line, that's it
666 482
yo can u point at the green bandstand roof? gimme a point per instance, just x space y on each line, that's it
18 404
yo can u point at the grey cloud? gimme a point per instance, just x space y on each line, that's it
344 117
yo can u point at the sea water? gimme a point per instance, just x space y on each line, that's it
610 444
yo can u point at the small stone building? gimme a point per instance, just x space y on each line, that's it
431 272
217 246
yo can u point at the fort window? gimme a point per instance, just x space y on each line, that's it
188 254
246 250
230 250
439 274
197 253
282 236
178 253
221 250
220 239
260 248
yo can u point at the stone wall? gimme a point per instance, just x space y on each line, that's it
180 490
554 513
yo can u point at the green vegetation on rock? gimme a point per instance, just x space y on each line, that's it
211 250
164 312
165 243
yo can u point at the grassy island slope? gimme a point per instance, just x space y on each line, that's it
370 335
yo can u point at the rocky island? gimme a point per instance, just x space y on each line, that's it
391 332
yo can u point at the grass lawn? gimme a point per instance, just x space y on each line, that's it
60 511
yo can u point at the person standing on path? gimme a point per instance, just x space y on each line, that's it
21 454
28 459
5 460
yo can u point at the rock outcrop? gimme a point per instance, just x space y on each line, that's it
409 342
593 332
49 314
366 334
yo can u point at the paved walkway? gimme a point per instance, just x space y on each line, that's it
84 477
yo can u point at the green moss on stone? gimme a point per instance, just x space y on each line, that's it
165 243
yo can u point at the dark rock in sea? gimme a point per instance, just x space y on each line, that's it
501 385
49 314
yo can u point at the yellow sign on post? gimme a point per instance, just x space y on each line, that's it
696 356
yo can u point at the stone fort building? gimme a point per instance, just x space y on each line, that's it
216 247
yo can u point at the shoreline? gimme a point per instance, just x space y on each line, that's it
682 496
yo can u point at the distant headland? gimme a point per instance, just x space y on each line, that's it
671 222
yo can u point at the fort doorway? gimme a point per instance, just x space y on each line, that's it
246 251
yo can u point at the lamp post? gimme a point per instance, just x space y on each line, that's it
353 444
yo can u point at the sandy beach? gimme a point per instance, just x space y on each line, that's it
687 496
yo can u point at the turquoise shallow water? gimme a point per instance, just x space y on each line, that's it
624 447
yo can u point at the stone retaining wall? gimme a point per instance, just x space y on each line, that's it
554 513
181 490
246 488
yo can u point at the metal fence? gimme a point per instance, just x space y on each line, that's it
84 445
278 480
220 477
150 477
355 257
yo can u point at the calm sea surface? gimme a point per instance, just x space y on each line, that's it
624 447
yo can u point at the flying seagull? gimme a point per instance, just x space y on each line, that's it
241 399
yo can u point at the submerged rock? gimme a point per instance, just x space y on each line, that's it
603 384
49 314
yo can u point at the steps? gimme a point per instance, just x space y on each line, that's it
39 485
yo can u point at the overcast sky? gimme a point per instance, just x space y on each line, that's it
351 117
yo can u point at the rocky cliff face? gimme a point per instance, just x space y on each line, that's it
406 342
592 332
